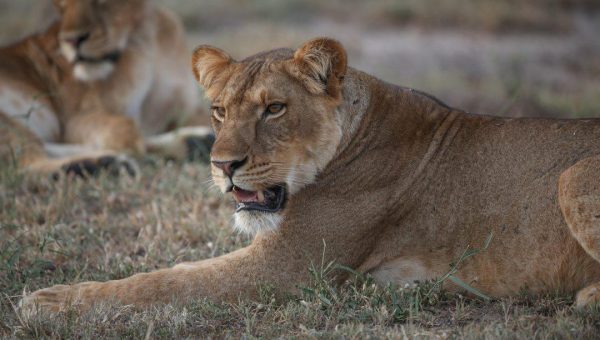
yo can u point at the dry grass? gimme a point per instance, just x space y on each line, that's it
69 231
510 58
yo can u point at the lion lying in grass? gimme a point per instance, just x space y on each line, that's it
395 183
104 80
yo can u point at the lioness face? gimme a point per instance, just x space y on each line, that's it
276 125
93 33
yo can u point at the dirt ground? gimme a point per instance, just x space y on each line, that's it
512 58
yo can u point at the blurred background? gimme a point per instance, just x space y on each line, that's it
510 57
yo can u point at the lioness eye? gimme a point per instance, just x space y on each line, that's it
275 108
218 112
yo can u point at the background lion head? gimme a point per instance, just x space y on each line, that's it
94 33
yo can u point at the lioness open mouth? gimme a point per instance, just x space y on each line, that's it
111 57
269 200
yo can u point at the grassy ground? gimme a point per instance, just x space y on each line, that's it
507 58
69 231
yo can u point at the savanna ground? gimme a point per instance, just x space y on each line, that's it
514 58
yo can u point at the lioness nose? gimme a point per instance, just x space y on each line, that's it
77 39
229 167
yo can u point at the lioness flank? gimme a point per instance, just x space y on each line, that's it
395 183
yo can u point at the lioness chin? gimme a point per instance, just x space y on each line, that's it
395 183
107 78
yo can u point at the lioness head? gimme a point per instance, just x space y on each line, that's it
93 33
274 115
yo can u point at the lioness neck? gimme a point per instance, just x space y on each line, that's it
401 126
390 136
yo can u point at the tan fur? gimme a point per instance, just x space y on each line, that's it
125 81
409 185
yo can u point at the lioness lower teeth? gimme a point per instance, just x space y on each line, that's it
261 196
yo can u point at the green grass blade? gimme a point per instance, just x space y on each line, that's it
468 288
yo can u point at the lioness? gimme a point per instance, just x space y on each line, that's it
94 84
396 183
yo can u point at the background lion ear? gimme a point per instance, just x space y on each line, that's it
321 64
207 63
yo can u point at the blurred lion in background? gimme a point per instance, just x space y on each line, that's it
107 80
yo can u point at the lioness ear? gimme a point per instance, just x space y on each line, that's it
207 63
321 65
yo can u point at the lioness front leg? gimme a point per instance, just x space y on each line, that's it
579 198
90 163
23 149
96 142
104 131
225 278
192 143
140 290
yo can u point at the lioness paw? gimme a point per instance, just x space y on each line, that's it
198 147
198 141
112 164
588 296
191 143
53 299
